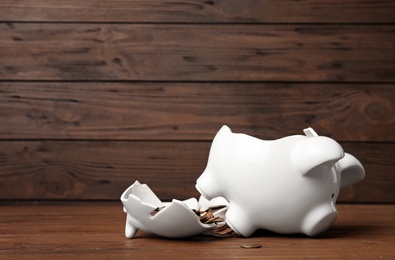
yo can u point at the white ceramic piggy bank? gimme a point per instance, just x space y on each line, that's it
289 185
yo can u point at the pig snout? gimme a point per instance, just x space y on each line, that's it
319 219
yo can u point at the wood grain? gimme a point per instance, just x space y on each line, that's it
199 11
102 170
171 52
98 170
96 231
95 94
194 111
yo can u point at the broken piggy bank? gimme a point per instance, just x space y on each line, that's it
173 219
288 185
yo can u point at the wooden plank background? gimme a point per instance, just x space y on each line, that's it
96 94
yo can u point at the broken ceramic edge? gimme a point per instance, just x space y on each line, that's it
204 204
218 201
175 220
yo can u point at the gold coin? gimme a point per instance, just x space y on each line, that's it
250 246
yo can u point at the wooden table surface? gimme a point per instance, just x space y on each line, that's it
97 231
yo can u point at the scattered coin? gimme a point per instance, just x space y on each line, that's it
250 246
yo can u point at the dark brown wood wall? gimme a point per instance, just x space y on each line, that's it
96 94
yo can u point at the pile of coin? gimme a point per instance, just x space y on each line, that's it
221 229
207 216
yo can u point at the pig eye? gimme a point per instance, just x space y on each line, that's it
333 195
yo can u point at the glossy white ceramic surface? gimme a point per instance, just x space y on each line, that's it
289 185
176 219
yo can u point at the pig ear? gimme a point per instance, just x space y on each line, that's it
352 170
315 151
